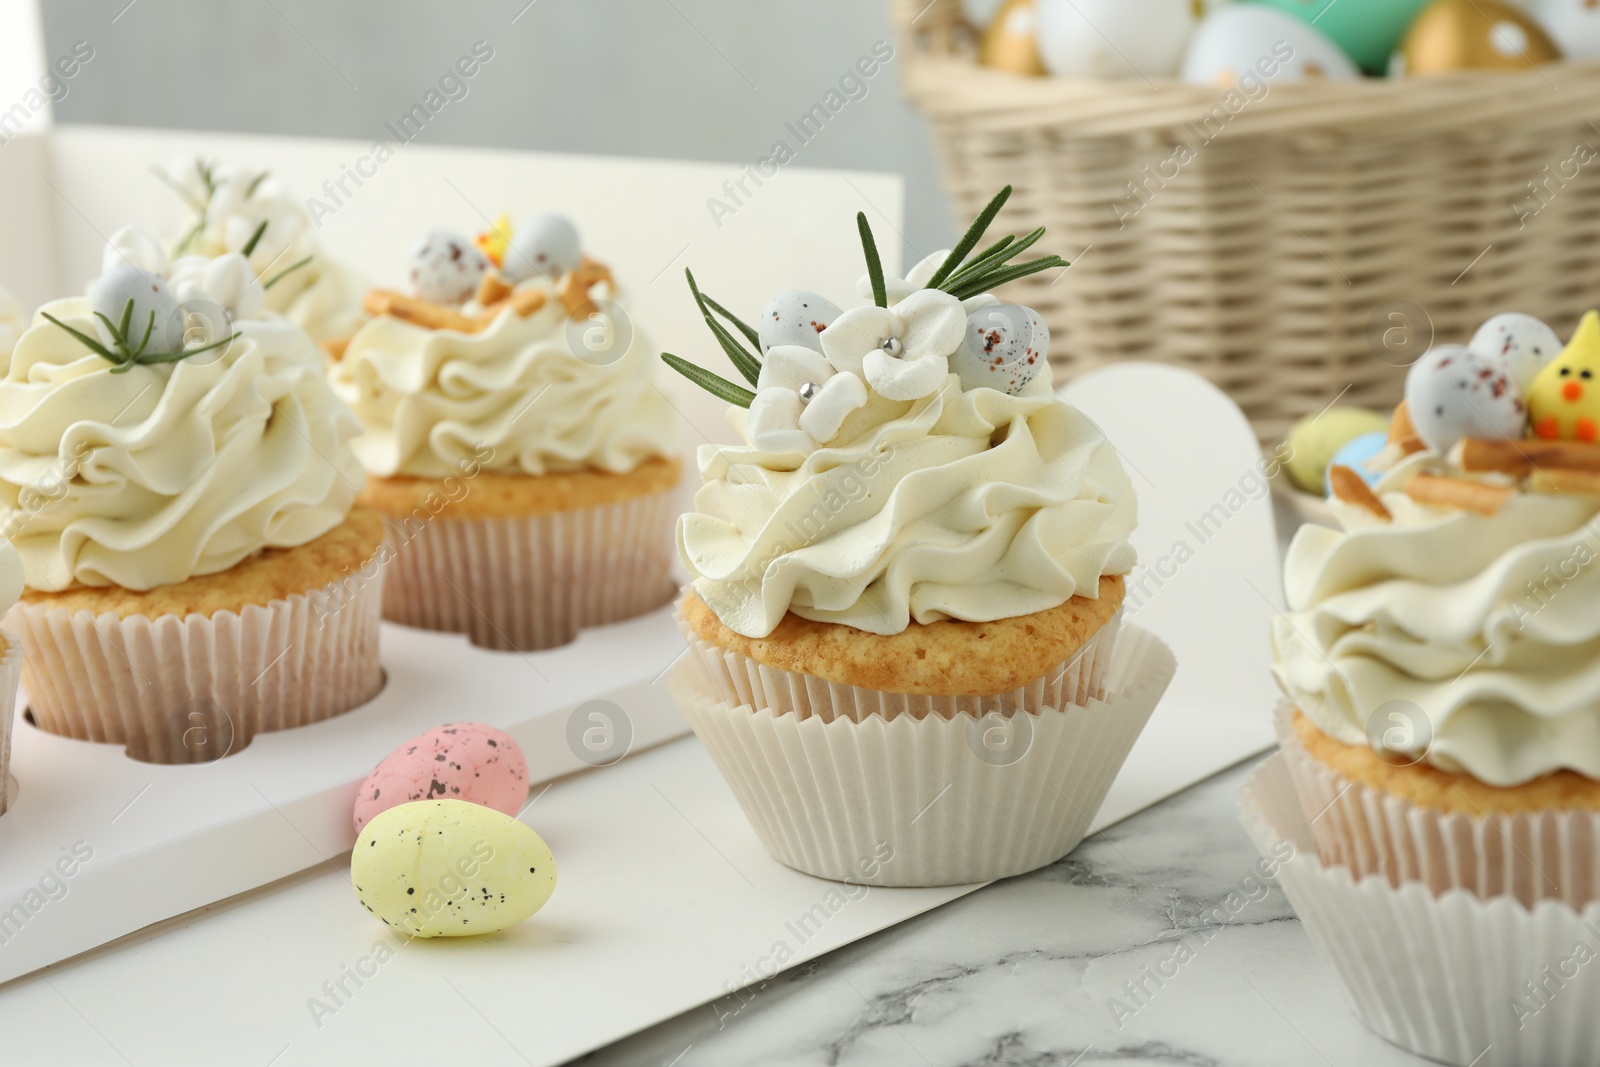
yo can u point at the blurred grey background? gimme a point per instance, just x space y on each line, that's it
686 79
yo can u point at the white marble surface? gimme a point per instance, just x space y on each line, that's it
1026 971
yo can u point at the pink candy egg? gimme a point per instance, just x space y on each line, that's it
458 761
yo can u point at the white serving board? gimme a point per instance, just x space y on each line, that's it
666 900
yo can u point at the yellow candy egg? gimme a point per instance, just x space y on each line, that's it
446 868
1313 440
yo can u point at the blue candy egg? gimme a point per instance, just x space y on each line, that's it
1355 454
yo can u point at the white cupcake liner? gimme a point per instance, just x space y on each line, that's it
1530 857
10 672
193 689
530 583
907 799
1456 978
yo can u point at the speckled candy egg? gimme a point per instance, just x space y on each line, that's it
446 268
1574 25
446 868
796 317
1003 348
1248 48
1452 392
458 761
1367 30
1114 38
546 246
1523 343
110 294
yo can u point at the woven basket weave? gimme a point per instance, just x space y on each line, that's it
1308 247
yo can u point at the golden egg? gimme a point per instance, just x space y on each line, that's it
1011 42
1475 35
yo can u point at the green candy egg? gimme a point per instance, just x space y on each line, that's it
1368 30
447 868
1316 438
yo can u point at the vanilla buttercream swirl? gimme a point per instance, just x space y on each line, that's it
1487 625
432 399
968 505
167 471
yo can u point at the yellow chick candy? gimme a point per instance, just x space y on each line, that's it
1564 399
493 241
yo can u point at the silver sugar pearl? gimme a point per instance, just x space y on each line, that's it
893 346
809 391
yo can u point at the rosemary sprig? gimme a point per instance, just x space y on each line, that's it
970 239
255 183
278 277
714 384
745 363
994 259
998 278
880 292
738 323
123 353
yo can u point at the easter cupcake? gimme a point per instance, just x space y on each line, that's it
1441 737
907 581
223 206
513 441
177 479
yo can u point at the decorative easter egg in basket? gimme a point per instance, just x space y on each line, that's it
1011 43
1574 25
1246 46
1368 31
1454 35
1114 38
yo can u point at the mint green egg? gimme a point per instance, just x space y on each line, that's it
1369 31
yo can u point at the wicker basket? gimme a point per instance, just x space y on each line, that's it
1302 253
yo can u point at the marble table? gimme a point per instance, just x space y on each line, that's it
1155 942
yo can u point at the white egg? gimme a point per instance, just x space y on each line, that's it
546 246
1003 348
1453 392
1521 342
796 317
446 268
1248 48
1114 38
1573 24
110 294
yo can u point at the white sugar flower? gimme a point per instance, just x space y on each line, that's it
800 401
903 351
227 280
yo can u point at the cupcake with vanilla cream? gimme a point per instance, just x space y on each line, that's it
907 582
177 479
513 440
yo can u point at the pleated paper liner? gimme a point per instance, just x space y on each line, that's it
10 672
193 689
1530 857
533 583
909 795
1454 977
